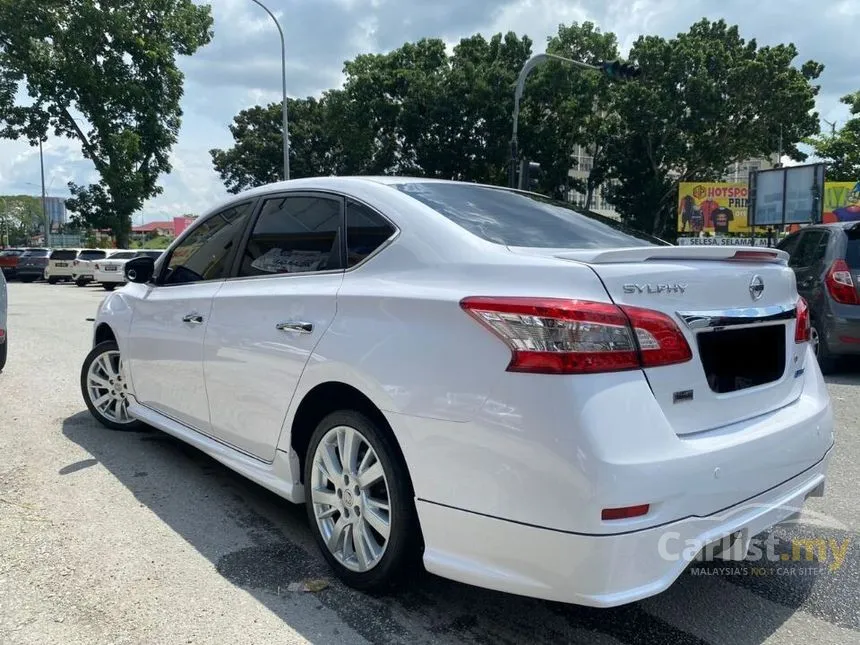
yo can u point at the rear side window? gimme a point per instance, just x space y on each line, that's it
64 255
295 234
93 255
852 252
811 249
366 231
516 219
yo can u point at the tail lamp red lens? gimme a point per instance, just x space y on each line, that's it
803 322
840 284
558 336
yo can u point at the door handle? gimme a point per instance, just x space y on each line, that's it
195 319
301 327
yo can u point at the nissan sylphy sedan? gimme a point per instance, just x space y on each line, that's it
480 380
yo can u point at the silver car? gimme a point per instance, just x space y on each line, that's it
4 336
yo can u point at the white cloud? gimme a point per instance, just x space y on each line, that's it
242 66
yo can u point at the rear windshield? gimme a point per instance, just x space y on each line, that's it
516 219
150 254
9 252
123 255
64 255
92 255
852 254
36 253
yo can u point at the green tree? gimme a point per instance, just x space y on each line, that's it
565 107
415 110
841 150
115 65
707 98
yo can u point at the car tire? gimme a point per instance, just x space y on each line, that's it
81 283
108 286
27 279
827 362
53 280
388 564
102 365
4 351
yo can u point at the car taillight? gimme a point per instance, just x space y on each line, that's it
802 328
840 284
557 336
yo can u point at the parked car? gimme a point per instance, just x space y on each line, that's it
61 265
82 266
520 396
4 331
826 261
32 264
109 272
9 262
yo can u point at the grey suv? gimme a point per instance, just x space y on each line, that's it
826 261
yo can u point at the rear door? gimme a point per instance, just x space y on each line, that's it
266 322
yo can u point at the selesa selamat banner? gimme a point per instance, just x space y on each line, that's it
712 207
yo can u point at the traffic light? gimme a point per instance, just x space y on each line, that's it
618 71
529 175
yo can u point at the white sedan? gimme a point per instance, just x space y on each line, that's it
485 381
109 272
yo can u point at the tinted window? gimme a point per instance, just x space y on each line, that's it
294 235
64 255
789 244
366 231
810 249
207 252
93 255
852 252
515 219
123 255
148 254
36 253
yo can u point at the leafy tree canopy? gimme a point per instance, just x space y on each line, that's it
841 150
114 65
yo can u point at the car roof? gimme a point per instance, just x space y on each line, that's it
833 225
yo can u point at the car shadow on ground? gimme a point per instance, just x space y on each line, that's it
186 489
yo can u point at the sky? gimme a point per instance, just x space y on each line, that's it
241 67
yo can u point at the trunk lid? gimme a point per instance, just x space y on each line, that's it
736 308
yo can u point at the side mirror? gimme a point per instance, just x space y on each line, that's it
140 270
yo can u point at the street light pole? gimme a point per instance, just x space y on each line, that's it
283 88
529 65
44 203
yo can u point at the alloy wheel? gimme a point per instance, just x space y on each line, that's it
351 498
107 389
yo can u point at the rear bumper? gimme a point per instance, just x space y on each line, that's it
109 277
596 570
31 272
843 335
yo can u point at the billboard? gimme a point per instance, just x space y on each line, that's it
718 208
784 196
841 201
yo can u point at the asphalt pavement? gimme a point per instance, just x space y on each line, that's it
110 537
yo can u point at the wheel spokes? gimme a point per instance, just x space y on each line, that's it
350 498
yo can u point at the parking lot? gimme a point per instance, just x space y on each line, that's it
110 537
